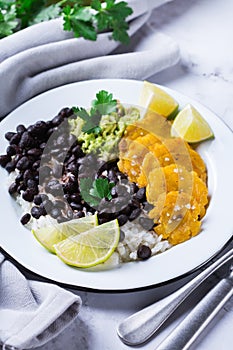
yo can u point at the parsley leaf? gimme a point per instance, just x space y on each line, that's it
46 13
113 17
79 20
85 185
86 18
91 121
8 20
103 104
102 188
93 191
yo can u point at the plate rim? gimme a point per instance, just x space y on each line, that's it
125 289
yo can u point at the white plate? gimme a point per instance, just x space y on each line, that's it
217 225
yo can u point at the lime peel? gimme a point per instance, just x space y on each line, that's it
191 126
90 248
47 236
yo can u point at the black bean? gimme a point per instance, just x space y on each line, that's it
147 206
37 199
76 198
114 192
15 139
76 206
127 210
35 152
25 219
121 190
20 129
36 212
44 172
112 176
122 219
61 219
43 145
17 158
102 220
48 205
57 170
9 135
59 204
78 215
146 223
39 129
66 112
77 151
135 213
55 213
57 120
61 156
26 141
134 203
21 187
70 187
36 165
143 252
141 194
122 236
23 163
43 210
44 197
11 151
54 187
133 188
4 159
19 178
10 166
13 188
28 195
31 183
28 174
73 168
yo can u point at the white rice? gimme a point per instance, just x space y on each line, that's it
126 250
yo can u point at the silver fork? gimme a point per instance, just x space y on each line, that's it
139 327
187 331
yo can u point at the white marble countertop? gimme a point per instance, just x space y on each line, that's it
203 29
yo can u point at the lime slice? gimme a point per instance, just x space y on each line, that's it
90 248
157 100
50 235
191 126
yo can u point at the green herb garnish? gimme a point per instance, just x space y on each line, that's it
93 191
103 104
85 18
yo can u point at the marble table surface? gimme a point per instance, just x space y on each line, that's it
203 29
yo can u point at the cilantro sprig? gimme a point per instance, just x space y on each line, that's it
102 105
85 18
93 191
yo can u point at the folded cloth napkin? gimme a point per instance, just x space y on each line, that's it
44 56
31 312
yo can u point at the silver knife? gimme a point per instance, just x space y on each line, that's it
183 336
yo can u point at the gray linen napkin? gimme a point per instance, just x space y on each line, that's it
43 56
32 312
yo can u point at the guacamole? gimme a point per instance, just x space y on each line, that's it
112 127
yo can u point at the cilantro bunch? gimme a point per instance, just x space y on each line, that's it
85 18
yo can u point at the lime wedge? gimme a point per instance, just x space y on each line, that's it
50 235
157 100
90 248
191 126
